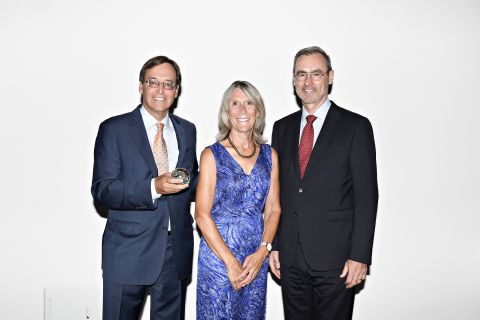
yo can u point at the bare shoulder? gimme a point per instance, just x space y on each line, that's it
206 153
207 159
208 170
274 154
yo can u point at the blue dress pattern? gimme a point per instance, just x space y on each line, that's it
238 213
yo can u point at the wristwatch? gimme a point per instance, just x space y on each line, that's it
268 245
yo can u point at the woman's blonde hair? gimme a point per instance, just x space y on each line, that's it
224 125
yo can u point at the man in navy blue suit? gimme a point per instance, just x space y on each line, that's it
148 240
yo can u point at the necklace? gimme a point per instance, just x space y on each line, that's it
238 152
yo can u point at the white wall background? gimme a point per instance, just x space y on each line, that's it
411 66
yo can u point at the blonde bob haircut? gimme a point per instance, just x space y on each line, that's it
224 125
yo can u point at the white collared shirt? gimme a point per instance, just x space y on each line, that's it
321 114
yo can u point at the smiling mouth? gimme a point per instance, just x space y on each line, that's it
159 99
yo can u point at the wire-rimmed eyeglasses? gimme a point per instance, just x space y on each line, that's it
167 84
301 76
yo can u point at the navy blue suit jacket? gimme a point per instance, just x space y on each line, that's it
135 236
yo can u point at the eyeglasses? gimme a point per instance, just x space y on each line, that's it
167 85
301 76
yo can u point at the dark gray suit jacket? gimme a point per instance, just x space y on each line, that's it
332 210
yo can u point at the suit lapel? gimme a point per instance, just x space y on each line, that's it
294 132
328 129
181 137
139 136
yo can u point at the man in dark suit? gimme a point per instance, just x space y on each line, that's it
148 238
329 197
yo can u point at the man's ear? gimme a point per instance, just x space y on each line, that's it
330 76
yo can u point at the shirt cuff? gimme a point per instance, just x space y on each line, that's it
155 195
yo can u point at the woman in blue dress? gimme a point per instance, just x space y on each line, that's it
237 210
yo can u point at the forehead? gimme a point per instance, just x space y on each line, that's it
311 62
161 71
238 94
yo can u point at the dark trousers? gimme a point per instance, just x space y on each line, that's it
167 296
314 295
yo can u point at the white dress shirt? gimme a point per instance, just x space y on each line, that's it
321 113
170 139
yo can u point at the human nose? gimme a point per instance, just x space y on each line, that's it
161 87
242 108
308 77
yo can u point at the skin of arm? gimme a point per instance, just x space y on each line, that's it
204 202
274 261
253 262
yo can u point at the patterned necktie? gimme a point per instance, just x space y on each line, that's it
159 148
306 144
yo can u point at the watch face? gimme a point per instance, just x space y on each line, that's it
269 247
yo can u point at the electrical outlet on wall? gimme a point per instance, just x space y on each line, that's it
72 303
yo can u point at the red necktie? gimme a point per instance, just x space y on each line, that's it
306 144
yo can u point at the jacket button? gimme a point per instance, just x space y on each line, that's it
300 190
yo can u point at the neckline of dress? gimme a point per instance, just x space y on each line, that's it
238 164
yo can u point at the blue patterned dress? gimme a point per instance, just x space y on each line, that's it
238 213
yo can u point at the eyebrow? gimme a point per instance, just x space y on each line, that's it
166 80
317 70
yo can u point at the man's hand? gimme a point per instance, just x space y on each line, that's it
355 272
165 184
275 263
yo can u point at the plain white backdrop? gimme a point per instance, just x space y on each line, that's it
412 67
